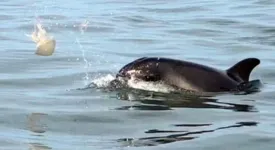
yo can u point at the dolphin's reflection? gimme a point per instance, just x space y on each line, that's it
156 140
36 124
163 101
38 146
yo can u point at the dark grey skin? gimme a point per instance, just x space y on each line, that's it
189 75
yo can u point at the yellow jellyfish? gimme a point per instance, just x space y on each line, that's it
45 44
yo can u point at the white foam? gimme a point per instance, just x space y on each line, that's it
103 81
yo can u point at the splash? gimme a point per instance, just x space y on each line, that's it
86 66
104 82
83 27
45 44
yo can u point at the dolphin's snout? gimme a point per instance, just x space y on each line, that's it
123 75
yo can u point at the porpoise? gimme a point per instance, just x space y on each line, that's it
188 75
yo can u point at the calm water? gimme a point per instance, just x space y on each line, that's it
44 104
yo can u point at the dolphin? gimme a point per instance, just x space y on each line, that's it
188 75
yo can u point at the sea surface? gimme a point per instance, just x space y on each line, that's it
46 103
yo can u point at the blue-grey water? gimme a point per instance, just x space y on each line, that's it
45 105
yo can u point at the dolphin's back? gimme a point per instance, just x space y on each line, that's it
193 76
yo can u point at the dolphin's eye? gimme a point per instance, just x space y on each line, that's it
224 89
152 78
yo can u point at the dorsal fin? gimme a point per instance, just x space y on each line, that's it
241 70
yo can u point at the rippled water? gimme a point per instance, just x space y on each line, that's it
44 104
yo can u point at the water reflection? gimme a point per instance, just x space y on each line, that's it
186 135
148 100
145 100
156 101
36 124
38 146
160 101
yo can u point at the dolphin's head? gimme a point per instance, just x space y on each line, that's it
143 69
